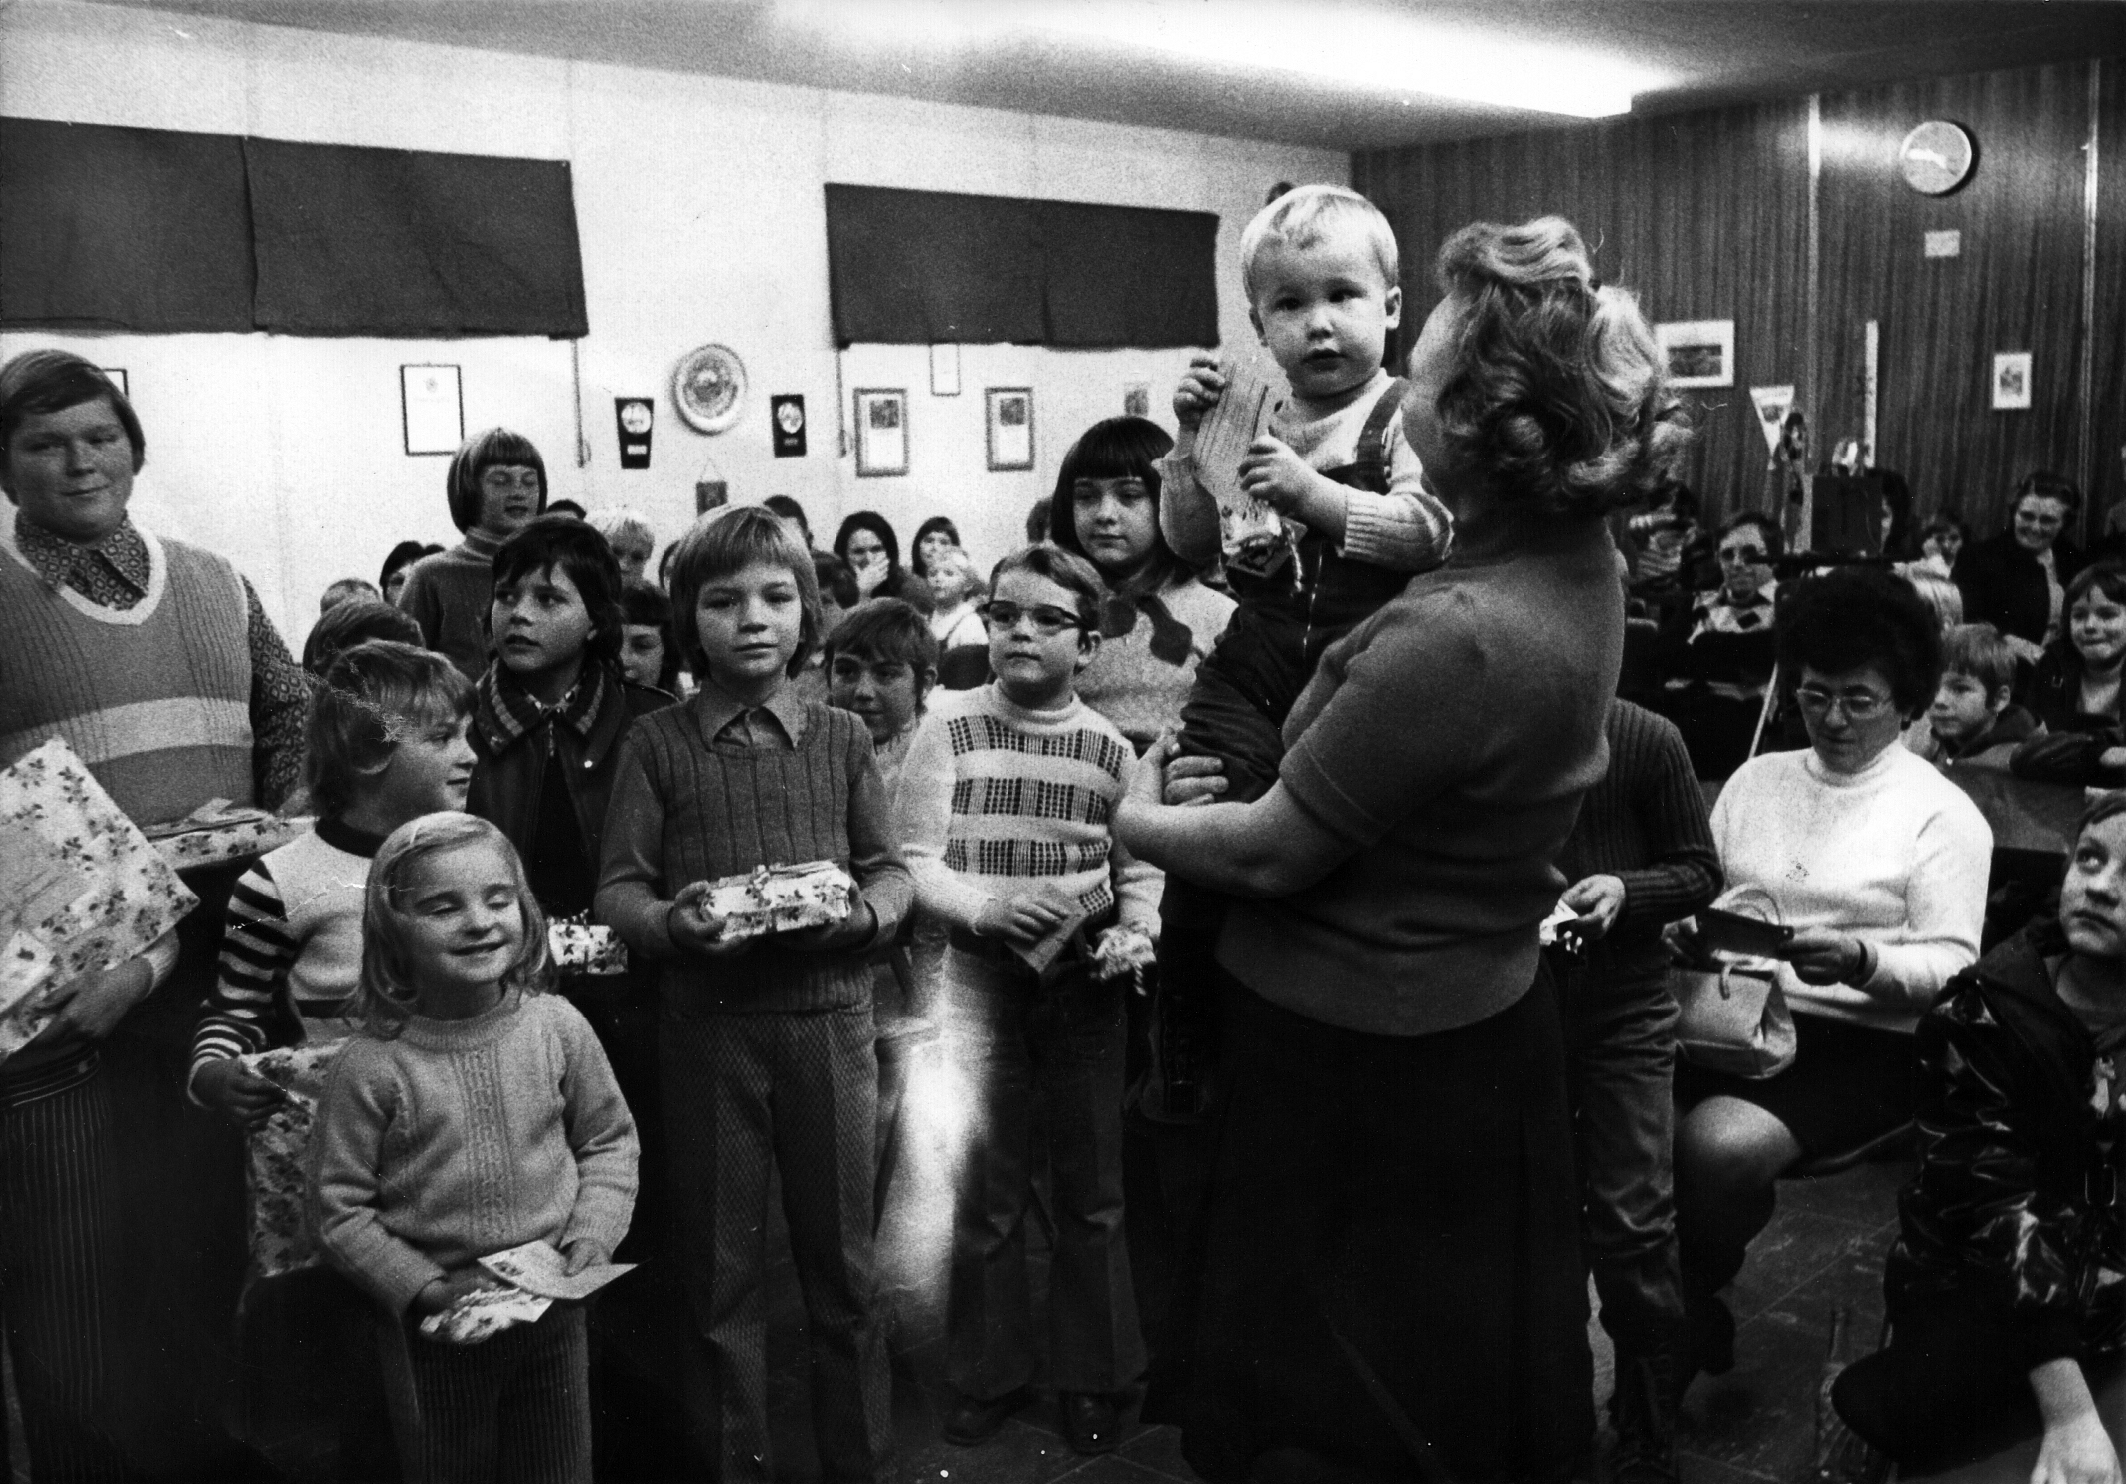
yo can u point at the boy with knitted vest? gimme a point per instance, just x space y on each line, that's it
1004 811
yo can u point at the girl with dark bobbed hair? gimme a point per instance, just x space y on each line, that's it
1879 865
1396 1207
1163 620
496 485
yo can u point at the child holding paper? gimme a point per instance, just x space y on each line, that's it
766 1054
472 1114
1352 520
1003 807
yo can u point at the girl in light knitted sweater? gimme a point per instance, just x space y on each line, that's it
472 1114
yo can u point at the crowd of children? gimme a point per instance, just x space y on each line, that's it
530 744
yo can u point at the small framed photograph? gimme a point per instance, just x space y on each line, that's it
120 380
433 400
2011 381
1699 352
1010 427
881 431
944 370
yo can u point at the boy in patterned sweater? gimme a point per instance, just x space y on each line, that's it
1003 812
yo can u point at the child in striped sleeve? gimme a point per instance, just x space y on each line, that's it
386 744
1003 812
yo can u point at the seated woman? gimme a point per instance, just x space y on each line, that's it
2005 1285
2076 693
1718 653
1879 863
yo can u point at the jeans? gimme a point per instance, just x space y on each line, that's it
1013 1034
1620 1038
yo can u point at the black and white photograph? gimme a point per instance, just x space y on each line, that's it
1062 742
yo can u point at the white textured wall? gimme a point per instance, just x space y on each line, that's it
699 201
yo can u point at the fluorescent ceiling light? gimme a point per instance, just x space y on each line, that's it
1358 47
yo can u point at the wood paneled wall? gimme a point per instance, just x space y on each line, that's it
1707 216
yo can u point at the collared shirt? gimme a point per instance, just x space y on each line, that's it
508 712
779 721
112 572
115 573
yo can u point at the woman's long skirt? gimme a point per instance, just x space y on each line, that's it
1392 1278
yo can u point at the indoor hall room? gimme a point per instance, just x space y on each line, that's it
1273 740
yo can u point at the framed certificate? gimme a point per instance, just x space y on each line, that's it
881 431
433 401
1010 427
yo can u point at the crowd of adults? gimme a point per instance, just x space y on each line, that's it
1368 1245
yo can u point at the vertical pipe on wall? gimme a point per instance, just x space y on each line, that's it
2085 373
1808 397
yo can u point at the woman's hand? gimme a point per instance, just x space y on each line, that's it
1598 900
1201 387
871 572
1823 956
2025 649
242 1096
1195 780
695 929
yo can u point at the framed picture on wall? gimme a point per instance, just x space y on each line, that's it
1699 352
2011 381
1010 427
881 431
432 399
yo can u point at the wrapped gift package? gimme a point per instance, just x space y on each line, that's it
483 1314
582 947
217 833
277 1158
781 899
80 886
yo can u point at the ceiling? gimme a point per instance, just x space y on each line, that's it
1687 53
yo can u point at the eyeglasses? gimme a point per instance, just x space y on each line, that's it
1749 555
1048 620
1858 705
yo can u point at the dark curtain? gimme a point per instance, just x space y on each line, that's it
1123 276
927 267
357 241
122 229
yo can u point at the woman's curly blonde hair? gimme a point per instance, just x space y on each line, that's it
1558 393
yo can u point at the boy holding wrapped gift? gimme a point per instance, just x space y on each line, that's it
1003 808
766 1050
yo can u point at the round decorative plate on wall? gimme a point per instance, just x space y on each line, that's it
1936 157
709 388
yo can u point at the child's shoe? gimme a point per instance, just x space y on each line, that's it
1091 1421
975 1420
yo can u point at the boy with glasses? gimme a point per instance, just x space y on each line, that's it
1004 813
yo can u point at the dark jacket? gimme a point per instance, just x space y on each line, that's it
2016 1204
2004 585
509 777
2076 741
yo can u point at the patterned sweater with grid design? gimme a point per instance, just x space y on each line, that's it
995 799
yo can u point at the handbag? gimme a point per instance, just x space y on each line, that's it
1732 1020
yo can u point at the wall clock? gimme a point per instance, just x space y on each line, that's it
709 388
1937 157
